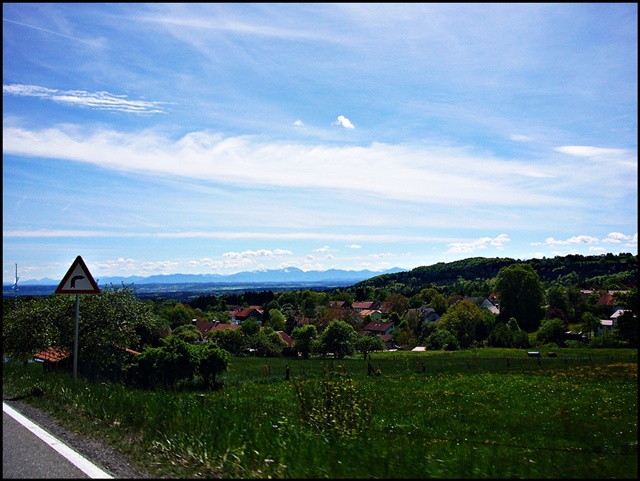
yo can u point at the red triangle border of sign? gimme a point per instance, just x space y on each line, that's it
95 289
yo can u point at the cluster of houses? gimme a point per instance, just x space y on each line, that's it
376 314
607 299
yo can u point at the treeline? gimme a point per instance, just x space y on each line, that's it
595 272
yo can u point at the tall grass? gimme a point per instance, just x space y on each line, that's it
473 414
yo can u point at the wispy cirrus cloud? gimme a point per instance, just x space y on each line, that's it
291 236
82 98
455 176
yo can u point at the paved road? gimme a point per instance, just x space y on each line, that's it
28 451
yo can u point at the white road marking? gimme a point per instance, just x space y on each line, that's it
75 458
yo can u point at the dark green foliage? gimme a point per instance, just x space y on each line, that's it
551 331
605 340
627 323
521 295
338 338
231 340
250 327
590 272
366 344
442 340
108 324
188 333
213 361
267 343
500 336
466 322
304 339
176 313
177 363
441 273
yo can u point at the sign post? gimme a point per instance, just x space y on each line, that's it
77 280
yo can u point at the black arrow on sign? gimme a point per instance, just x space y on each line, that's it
74 279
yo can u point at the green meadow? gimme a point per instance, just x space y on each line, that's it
485 413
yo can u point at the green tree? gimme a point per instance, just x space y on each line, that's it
267 343
590 324
627 324
442 340
466 322
188 333
521 295
276 320
304 338
500 336
213 361
439 303
230 340
250 327
175 361
551 331
108 323
338 338
177 313
366 344
556 298
520 337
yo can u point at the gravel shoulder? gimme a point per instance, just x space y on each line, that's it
102 455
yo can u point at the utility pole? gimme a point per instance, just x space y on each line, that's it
15 286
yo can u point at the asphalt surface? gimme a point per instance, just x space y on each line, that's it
30 452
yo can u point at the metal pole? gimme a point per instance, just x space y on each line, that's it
75 342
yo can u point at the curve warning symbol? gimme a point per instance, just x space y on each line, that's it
78 280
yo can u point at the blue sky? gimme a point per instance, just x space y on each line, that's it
218 138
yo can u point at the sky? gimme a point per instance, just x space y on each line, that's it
226 137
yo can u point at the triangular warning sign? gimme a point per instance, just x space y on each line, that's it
78 280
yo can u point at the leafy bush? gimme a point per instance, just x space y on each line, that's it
442 340
177 363
605 340
551 331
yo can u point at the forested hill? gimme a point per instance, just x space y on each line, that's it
588 272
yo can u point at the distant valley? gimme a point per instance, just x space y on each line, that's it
289 278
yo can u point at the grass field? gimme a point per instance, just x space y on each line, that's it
486 413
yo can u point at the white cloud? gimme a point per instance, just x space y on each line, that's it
383 255
345 122
322 249
616 238
580 239
258 253
354 246
82 98
298 123
454 176
589 151
481 243
290 236
520 138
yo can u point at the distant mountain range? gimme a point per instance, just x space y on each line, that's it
286 275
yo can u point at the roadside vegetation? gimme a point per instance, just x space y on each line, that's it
489 413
